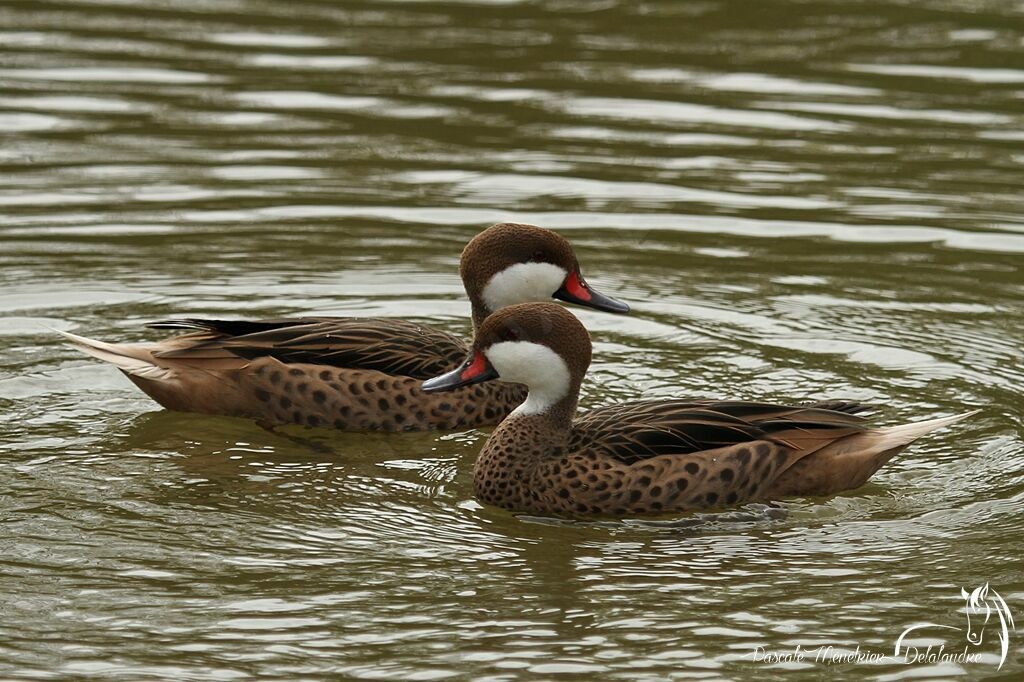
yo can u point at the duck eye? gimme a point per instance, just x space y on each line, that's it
510 334
539 256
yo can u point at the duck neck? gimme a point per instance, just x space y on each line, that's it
530 433
554 416
479 313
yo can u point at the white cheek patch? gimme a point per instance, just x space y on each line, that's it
542 370
523 283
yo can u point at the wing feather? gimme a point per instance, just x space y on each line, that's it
634 431
396 347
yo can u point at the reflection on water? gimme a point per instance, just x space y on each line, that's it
799 200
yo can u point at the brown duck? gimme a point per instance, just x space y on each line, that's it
650 456
352 373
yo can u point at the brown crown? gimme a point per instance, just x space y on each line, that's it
505 244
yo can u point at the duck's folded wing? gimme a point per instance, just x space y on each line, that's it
395 347
634 431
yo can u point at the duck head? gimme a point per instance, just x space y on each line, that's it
540 345
511 263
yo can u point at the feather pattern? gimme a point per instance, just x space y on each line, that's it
355 374
394 347
630 432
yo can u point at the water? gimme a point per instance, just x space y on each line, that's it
800 200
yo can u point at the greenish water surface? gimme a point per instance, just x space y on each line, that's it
800 200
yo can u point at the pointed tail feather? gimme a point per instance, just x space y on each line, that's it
847 463
869 442
131 359
897 436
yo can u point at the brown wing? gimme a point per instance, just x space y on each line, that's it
394 347
631 432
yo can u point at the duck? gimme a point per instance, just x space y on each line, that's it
650 456
354 373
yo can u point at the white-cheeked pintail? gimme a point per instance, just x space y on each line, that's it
352 373
651 456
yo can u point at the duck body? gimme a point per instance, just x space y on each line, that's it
656 457
651 457
355 374
352 373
